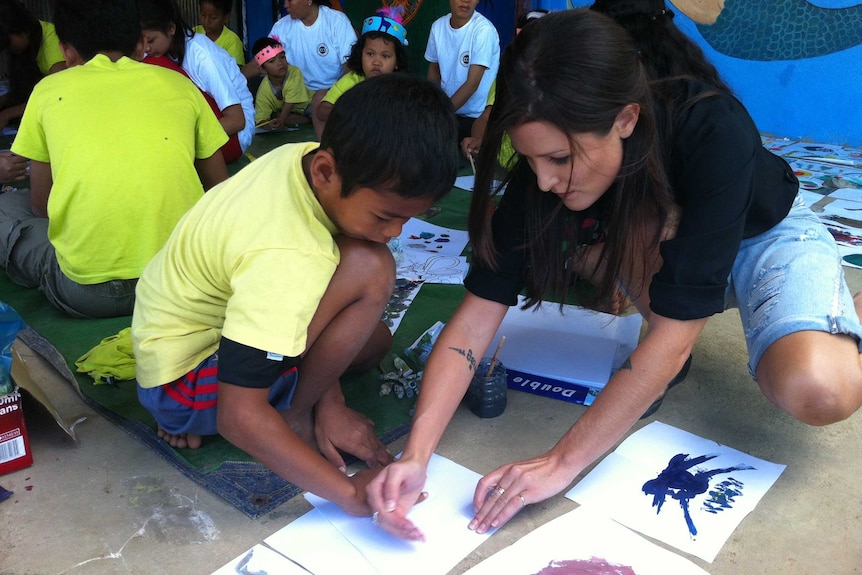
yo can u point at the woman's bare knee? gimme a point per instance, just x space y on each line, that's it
817 398
814 376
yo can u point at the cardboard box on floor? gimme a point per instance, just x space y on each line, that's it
15 452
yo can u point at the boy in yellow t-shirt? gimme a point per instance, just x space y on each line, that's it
116 161
282 97
273 285
214 16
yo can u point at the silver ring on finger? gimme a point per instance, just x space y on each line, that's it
500 490
374 518
523 501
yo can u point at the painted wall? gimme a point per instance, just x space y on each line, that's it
795 64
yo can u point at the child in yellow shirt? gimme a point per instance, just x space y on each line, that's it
282 97
214 16
379 50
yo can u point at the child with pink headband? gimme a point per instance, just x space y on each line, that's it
282 98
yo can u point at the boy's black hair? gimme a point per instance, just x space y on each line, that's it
262 43
354 60
226 6
394 133
93 26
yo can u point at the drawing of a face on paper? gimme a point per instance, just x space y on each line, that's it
435 269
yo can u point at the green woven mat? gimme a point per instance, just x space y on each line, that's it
218 465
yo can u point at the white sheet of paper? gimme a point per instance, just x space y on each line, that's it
579 345
848 194
844 208
443 517
469 182
810 198
432 253
315 543
465 182
261 559
433 268
412 238
718 496
583 538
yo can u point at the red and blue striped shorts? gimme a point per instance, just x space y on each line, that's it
188 404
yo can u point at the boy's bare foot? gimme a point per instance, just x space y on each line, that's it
180 440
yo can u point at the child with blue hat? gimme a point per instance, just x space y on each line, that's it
379 50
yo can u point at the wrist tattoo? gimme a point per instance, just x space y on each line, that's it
467 354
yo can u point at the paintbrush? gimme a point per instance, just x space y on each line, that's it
495 356
472 164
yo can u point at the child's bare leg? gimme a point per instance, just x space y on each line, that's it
315 101
340 337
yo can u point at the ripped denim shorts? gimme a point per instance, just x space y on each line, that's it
790 279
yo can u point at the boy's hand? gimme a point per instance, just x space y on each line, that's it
336 426
359 504
12 167
470 146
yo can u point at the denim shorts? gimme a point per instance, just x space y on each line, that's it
189 404
789 279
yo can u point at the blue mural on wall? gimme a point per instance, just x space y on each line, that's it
782 29
795 64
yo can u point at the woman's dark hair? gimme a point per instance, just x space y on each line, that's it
665 50
24 72
159 15
576 70
354 61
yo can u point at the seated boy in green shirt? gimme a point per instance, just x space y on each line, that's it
119 151
274 284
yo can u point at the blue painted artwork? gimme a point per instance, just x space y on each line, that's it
722 496
681 484
769 30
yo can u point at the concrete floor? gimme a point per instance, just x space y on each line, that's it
108 504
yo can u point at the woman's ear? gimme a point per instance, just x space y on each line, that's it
627 119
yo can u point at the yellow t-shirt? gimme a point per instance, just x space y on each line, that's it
267 105
250 262
343 84
122 161
49 50
507 156
228 40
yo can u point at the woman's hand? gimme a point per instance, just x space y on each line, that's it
501 494
393 492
